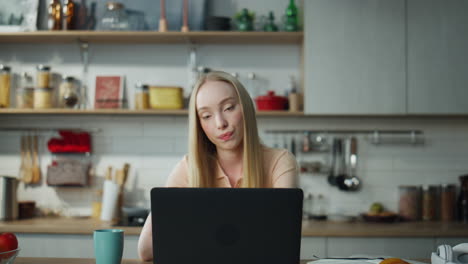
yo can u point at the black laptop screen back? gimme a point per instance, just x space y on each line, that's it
221 225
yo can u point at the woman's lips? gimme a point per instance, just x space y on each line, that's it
226 136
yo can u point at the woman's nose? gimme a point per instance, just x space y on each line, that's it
221 122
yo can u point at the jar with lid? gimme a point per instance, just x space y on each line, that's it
43 76
43 98
25 93
429 202
141 96
447 202
68 93
462 202
5 83
114 18
409 203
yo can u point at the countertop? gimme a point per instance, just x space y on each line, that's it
20 260
80 261
85 226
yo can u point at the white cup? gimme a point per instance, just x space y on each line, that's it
110 198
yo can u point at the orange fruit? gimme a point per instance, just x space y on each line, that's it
393 261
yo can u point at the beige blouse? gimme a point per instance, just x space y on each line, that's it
280 167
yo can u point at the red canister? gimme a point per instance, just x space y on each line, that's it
271 102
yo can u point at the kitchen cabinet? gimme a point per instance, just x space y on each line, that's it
437 54
67 245
354 57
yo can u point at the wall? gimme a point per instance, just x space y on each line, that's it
153 144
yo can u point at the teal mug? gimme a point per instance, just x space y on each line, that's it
108 246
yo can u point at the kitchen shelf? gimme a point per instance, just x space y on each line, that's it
149 37
12 111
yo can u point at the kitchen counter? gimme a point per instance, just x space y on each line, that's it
85 226
80 261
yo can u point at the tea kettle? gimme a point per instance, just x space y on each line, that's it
8 198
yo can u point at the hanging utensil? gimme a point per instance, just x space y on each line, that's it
22 169
353 183
331 176
341 175
28 176
36 169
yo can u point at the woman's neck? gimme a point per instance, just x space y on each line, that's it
231 162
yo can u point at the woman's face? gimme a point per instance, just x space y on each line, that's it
220 114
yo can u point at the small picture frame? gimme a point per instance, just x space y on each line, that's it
109 92
18 15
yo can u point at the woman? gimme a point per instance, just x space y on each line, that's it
224 146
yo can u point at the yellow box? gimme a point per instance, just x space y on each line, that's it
166 97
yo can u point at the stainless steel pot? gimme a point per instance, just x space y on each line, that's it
8 198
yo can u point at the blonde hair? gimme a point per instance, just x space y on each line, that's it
202 161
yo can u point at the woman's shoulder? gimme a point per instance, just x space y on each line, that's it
179 174
274 156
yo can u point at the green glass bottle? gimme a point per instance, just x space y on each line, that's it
291 23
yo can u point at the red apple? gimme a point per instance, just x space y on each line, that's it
8 242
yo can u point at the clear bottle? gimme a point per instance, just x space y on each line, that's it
54 20
5 86
114 18
68 14
25 93
43 76
307 207
68 93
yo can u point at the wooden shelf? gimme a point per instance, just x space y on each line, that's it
13 111
149 37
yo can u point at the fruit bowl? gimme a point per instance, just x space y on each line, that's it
8 257
385 217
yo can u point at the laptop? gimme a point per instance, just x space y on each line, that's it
226 225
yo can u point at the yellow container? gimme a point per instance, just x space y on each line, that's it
166 97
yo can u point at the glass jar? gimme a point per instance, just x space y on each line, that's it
25 92
68 93
447 202
429 203
114 18
43 76
409 203
43 98
5 86
141 96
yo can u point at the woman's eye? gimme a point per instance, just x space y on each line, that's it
206 117
230 108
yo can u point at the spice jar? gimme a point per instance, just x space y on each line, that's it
429 203
25 92
5 82
43 76
141 96
409 203
68 94
43 98
447 202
